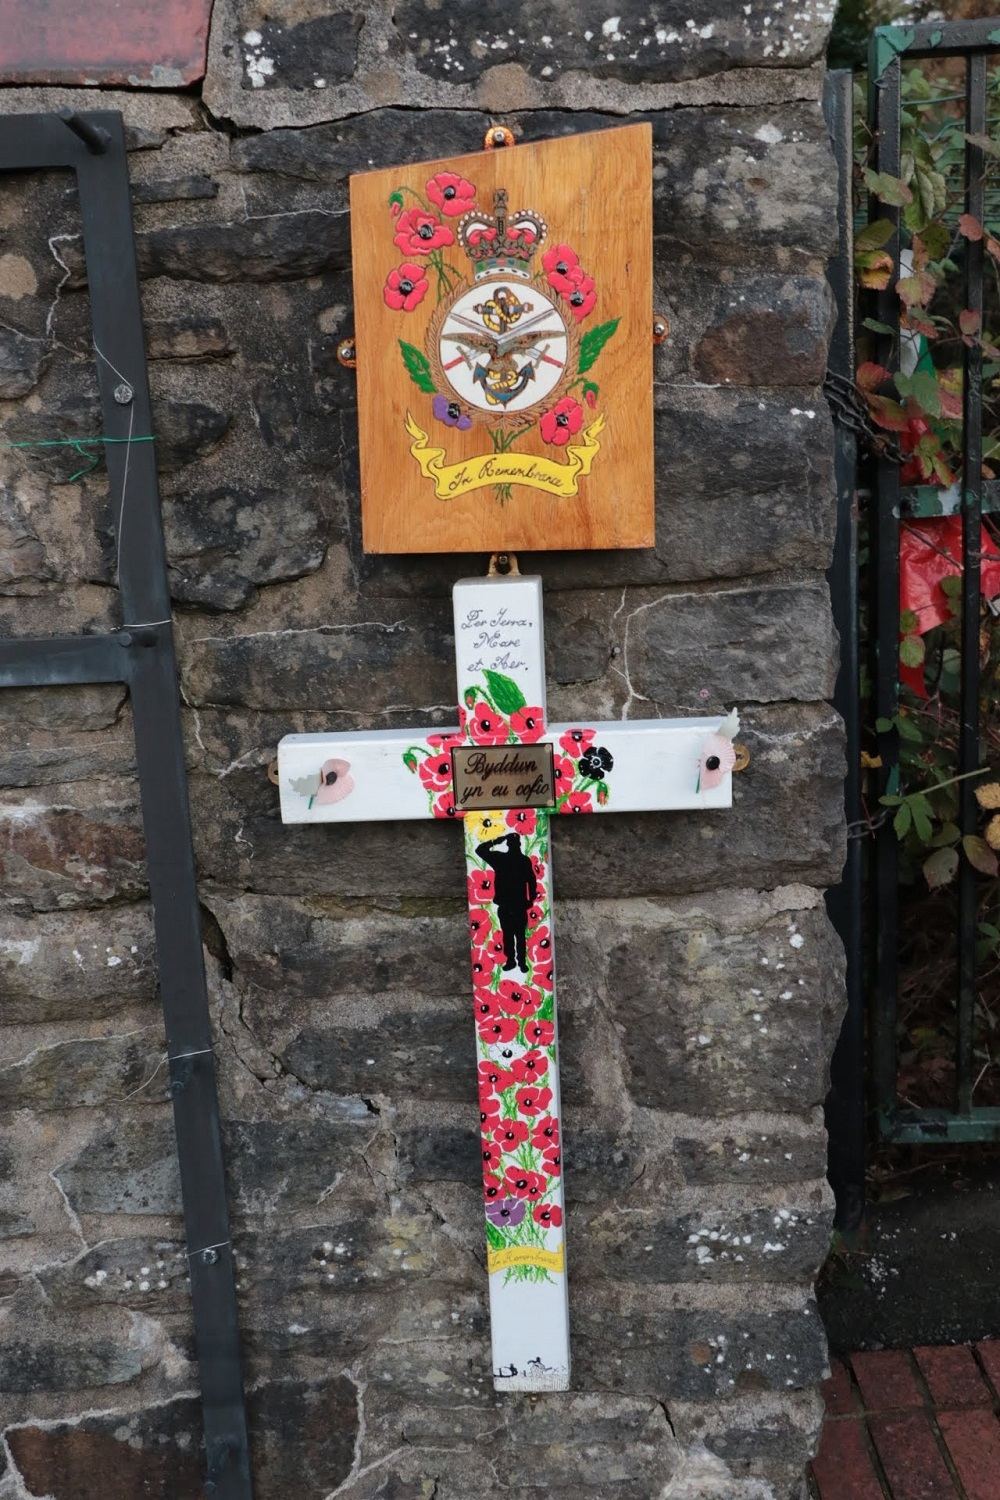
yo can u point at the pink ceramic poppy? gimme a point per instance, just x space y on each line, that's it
717 760
335 783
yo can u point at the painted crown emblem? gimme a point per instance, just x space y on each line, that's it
501 241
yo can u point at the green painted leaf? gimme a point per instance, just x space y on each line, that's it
877 327
505 693
940 867
410 760
593 342
494 1238
417 367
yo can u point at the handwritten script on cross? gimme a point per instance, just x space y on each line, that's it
503 751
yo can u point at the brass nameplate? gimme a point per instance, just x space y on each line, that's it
495 776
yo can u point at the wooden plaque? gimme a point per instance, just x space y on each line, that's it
503 314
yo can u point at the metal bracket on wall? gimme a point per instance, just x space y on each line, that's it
141 656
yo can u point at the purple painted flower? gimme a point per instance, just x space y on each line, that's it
450 413
507 1213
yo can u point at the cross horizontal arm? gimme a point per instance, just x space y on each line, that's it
392 774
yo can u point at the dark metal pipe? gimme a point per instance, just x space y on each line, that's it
884 106
845 1103
972 511
93 137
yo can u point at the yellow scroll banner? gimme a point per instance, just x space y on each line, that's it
526 1255
452 480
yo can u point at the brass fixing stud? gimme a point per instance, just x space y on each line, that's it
347 353
503 565
272 770
498 135
742 757
661 328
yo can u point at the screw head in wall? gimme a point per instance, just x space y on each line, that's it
123 393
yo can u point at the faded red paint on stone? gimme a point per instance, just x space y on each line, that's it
104 41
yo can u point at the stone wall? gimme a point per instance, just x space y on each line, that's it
701 998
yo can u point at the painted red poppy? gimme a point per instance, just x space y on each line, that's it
522 820
482 887
563 771
559 262
418 232
577 741
489 1111
487 727
583 295
528 724
492 1187
561 422
484 966
491 1156
445 807
479 926
520 1183
531 1100
529 1068
492 1076
510 1134
549 1215
405 287
552 1162
518 999
577 802
539 1033
485 1006
540 945
435 772
499 1029
452 194
545 1133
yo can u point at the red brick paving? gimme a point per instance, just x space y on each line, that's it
843 1464
888 1381
911 1458
912 1424
973 1440
953 1376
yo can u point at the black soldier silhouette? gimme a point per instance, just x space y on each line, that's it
516 889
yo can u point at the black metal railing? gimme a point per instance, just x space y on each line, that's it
876 715
140 654
971 41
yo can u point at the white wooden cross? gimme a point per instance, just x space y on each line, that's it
504 740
